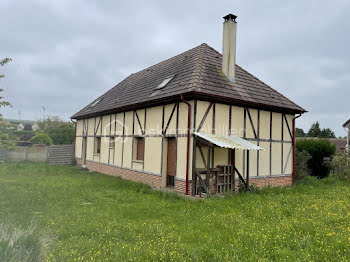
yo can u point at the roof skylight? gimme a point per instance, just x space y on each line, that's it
95 103
165 82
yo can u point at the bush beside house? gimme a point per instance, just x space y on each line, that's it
319 150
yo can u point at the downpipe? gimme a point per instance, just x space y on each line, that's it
188 138
293 175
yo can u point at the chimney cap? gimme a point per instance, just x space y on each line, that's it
230 17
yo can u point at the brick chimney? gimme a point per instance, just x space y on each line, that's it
229 47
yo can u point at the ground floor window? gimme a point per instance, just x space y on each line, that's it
138 152
97 146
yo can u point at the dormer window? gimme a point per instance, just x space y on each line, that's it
165 82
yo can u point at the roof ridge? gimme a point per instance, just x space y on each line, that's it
198 68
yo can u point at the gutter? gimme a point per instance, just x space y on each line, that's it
293 175
188 138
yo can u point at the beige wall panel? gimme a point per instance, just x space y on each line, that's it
237 121
118 151
113 124
105 125
119 124
172 125
253 161
239 161
96 158
91 123
141 114
99 126
254 115
220 156
264 124
286 135
104 150
137 165
89 148
153 154
128 122
276 126
78 146
154 120
181 157
221 119
208 123
276 158
287 159
199 159
79 127
264 159
183 113
127 152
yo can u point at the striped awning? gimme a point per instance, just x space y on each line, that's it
233 142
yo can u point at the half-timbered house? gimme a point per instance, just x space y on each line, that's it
346 125
196 122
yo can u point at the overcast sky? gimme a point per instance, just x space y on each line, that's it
66 53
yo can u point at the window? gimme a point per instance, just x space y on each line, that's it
95 102
138 148
97 146
165 82
111 142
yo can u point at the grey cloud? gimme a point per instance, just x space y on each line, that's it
66 53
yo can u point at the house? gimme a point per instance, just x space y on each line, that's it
35 127
20 127
197 123
346 125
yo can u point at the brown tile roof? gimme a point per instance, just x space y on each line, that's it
197 73
346 123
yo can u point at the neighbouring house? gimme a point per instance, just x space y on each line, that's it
347 126
197 123
35 127
20 127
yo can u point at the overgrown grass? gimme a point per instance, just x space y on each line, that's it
97 217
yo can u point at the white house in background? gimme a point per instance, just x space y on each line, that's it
35 127
20 127
347 126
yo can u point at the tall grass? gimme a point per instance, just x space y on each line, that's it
22 244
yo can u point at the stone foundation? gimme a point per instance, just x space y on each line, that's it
155 181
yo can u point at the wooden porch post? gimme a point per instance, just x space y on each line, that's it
208 169
194 174
247 169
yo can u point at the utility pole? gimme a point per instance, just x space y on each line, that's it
19 115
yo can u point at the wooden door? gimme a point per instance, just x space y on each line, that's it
171 162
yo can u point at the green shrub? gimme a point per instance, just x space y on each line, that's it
339 166
41 139
319 150
301 164
62 135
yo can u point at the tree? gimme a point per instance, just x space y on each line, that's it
2 102
299 132
41 139
51 122
62 135
316 131
4 139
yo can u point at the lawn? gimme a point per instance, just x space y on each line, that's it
62 213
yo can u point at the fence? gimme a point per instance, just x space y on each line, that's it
58 154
